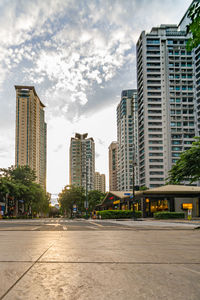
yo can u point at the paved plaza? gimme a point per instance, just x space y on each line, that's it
65 259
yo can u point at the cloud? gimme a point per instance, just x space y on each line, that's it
77 57
97 155
58 148
7 147
74 70
101 142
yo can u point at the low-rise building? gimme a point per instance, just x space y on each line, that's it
173 198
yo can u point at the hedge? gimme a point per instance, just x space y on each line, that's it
169 215
18 217
118 214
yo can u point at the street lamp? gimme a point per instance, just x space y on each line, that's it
134 165
86 200
85 174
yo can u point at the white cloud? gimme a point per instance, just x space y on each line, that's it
7 148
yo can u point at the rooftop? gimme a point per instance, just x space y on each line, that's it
25 87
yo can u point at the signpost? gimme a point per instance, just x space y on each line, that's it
74 208
189 214
188 207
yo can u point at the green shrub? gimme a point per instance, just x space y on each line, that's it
169 215
118 214
86 216
17 217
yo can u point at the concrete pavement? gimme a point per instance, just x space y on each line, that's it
123 263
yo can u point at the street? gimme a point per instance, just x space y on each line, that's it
97 259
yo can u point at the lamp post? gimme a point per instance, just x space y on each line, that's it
134 164
85 175
86 200
134 148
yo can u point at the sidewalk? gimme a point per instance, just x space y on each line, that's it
152 223
184 221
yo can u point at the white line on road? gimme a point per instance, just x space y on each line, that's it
34 228
93 223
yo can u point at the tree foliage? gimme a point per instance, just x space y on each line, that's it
188 165
194 27
21 173
19 183
143 188
94 198
71 195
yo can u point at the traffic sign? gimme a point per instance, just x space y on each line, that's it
74 208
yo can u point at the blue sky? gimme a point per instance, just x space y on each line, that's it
79 55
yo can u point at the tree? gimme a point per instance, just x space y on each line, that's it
194 27
143 188
36 199
71 195
21 173
188 165
9 185
19 183
94 198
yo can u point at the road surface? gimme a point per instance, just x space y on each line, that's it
79 259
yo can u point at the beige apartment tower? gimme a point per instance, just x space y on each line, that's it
82 161
113 163
100 182
30 142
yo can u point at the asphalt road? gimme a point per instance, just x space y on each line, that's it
62 224
59 224
79 259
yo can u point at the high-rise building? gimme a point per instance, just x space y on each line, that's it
31 130
196 58
82 161
126 116
100 182
196 54
166 118
113 163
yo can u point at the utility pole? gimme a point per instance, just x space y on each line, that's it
134 156
86 200
133 182
134 164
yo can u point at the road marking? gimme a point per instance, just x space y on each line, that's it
35 228
94 228
93 223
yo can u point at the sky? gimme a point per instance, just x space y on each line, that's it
79 55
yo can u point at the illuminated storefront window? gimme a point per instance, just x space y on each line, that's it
160 205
